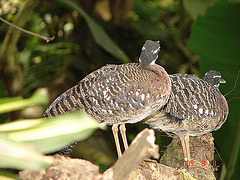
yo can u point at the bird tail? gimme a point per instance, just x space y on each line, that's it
66 102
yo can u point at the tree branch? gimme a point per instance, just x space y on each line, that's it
26 31
142 147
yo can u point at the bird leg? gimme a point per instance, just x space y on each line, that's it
116 139
122 129
185 145
182 139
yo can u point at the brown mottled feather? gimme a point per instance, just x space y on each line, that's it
116 94
194 106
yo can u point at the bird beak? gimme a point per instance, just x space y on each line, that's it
222 81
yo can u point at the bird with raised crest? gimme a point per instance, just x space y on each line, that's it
195 107
118 94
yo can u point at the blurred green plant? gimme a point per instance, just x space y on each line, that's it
20 156
50 134
9 104
23 142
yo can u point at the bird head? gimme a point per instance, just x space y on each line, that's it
214 78
149 53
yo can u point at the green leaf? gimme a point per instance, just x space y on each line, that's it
216 39
51 134
39 97
99 35
9 99
19 156
21 141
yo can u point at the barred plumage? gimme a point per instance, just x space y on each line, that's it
116 94
195 107
119 94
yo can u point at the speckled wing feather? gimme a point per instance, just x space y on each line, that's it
194 106
115 94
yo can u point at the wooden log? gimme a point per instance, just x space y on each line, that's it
142 147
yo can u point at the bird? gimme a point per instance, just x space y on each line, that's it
118 94
195 107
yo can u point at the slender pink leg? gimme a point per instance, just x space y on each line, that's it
116 139
182 139
185 146
122 129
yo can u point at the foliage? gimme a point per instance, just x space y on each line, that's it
22 142
99 35
15 103
216 39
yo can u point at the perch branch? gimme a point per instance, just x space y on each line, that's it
142 147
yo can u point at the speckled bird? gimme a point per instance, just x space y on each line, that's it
195 107
119 94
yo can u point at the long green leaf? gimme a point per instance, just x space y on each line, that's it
9 99
51 134
17 103
19 156
99 35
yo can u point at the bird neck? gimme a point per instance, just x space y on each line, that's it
159 70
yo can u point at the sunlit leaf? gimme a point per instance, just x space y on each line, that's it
19 156
9 99
17 103
51 134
